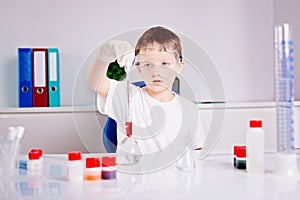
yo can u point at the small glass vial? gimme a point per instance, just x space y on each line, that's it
35 163
186 162
241 158
75 166
108 167
92 169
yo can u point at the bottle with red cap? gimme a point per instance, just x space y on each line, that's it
108 167
35 162
255 147
241 159
75 166
235 149
38 151
92 168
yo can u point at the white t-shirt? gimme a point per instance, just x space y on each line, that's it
156 125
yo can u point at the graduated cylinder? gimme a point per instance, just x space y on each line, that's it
284 88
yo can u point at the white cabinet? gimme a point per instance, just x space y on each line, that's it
56 130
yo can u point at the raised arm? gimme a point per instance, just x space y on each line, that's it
112 50
96 77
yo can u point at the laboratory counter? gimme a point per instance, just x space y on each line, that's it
214 177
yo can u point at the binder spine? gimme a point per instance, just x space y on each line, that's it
53 77
40 77
25 77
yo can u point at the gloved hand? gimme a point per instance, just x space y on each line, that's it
117 50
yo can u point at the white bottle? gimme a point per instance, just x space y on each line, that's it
75 167
35 163
255 150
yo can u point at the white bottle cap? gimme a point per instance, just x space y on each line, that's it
12 133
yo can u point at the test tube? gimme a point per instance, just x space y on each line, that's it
286 159
128 117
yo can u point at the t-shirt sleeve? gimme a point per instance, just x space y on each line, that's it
115 103
104 104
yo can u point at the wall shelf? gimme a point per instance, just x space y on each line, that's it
62 109
91 108
242 105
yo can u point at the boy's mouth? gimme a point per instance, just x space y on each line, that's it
157 81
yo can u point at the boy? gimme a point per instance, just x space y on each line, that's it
162 120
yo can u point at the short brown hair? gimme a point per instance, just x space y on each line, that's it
166 38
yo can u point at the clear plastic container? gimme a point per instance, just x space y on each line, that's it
109 167
34 163
255 147
241 159
92 169
75 169
235 148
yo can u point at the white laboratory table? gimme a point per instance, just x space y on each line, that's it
214 178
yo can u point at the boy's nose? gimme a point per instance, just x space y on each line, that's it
155 74
155 71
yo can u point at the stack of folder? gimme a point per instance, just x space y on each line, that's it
38 77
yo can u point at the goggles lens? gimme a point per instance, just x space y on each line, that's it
158 61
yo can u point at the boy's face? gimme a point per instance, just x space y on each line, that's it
158 67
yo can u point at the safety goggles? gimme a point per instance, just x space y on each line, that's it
153 61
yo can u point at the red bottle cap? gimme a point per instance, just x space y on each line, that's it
38 151
241 152
255 123
92 162
33 155
237 147
108 161
74 155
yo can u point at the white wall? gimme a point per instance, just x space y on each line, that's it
237 35
287 11
56 130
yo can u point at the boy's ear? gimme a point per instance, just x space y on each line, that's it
181 66
138 68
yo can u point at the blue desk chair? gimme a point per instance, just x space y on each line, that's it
110 129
